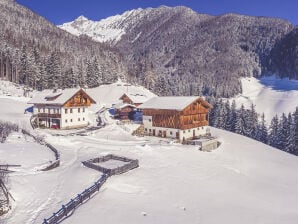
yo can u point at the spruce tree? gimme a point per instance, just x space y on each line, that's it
295 131
262 132
273 132
240 121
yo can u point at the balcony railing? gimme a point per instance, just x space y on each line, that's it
47 115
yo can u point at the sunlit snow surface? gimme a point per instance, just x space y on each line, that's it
270 95
110 29
243 181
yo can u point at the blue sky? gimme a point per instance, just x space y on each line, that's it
60 11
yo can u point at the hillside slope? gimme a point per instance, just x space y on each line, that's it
174 183
35 52
271 96
176 51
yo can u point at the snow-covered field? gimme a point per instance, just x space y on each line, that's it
243 181
270 95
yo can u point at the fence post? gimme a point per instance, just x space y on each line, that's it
80 197
64 210
97 186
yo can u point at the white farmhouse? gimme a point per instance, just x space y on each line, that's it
62 109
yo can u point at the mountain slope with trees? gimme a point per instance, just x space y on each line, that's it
36 53
176 51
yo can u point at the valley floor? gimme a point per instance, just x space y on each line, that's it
243 181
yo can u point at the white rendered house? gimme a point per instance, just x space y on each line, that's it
63 109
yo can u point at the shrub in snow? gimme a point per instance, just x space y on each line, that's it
6 128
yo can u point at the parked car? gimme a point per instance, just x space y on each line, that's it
55 126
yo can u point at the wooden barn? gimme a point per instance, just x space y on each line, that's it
124 111
62 109
181 117
135 99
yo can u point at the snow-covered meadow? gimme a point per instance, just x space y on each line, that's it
243 181
271 96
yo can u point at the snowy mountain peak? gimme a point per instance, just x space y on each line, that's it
81 18
110 29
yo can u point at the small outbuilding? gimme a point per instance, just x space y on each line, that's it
135 99
124 111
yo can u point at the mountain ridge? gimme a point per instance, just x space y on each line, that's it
188 52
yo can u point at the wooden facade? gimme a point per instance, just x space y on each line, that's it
126 99
193 116
124 113
80 99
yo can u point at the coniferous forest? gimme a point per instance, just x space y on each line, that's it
281 133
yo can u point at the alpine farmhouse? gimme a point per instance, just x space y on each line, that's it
181 117
64 109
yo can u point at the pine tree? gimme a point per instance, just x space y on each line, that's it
283 133
273 132
23 72
261 131
295 131
240 121
290 140
53 70
89 74
97 73
233 116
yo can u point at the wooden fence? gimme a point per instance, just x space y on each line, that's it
131 164
41 141
76 202
68 208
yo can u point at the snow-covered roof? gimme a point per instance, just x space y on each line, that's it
122 105
54 98
169 102
137 97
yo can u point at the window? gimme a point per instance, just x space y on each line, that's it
79 109
71 111
149 130
188 130
66 111
83 109
145 129
70 120
79 119
38 110
171 133
83 118
43 110
65 120
183 131
149 120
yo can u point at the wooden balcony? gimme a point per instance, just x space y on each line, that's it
194 125
47 115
